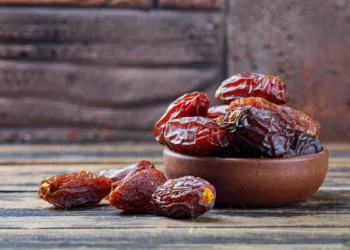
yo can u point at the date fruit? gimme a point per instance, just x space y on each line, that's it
195 136
185 197
304 123
117 175
217 111
257 102
306 144
192 104
134 194
73 190
260 124
272 88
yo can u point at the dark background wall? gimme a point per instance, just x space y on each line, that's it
104 73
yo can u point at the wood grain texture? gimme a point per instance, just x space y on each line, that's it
80 159
26 178
119 3
78 154
34 111
91 148
106 87
110 218
100 74
30 154
26 222
168 35
325 201
168 237
170 53
191 4
71 134
79 97
334 149
304 42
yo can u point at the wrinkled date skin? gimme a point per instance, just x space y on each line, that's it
118 175
271 88
185 197
306 144
196 136
261 125
257 102
134 194
192 104
74 190
304 123
217 111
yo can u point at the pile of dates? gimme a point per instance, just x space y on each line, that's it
139 188
252 123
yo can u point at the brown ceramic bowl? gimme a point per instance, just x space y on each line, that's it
254 182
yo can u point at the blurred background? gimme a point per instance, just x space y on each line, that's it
106 70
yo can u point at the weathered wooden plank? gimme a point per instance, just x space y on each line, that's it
111 26
119 3
117 153
338 146
51 169
28 184
28 111
27 178
107 87
191 4
93 101
274 246
50 157
72 95
323 202
304 42
93 159
246 246
159 49
119 147
169 53
71 134
281 246
76 154
66 112
112 219
232 246
99 147
167 237
82 159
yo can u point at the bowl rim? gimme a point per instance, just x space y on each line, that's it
324 152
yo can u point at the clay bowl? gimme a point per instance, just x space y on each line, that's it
254 182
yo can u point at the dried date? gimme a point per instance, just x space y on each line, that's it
192 104
134 194
186 197
260 124
196 136
304 123
117 175
257 102
272 88
217 111
73 190
306 144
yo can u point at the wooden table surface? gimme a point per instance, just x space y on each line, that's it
322 222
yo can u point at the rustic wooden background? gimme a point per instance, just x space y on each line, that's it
105 70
